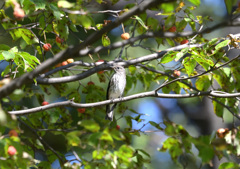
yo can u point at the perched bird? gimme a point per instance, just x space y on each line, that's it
115 89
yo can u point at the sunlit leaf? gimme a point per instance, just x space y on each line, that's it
105 40
98 154
141 22
65 4
168 57
228 165
189 63
173 146
8 55
106 136
222 44
90 125
195 2
203 83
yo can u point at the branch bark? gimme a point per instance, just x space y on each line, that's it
73 51
71 103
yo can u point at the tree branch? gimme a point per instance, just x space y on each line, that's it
71 103
106 66
61 159
73 51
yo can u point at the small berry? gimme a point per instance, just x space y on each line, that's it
100 72
99 62
125 36
12 133
59 65
59 40
64 63
47 46
70 60
106 22
221 132
81 110
176 73
18 13
173 29
184 41
11 150
44 103
90 83
118 127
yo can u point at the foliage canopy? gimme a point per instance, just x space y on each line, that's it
51 108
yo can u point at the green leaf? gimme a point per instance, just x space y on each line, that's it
181 25
98 154
106 136
188 19
154 124
63 29
206 151
169 13
44 164
54 116
193 25
93 140
28 36
159 41
171 87
218 108
129 121
168 57
32 60
17 95
8 55
90 125
14 49
55 10
222 80
84 20
229 165
105 40
3 116
213 41
170 42
203 60
203 83
65 4
168 7
4 47
73 138
73 27
195 2
179 55
229 5
170 20
144 152
125 151
39 4
222 44
99 26
173 146
189 63
141 22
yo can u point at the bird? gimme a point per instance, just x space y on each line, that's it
115 89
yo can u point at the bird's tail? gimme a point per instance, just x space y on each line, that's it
110 112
